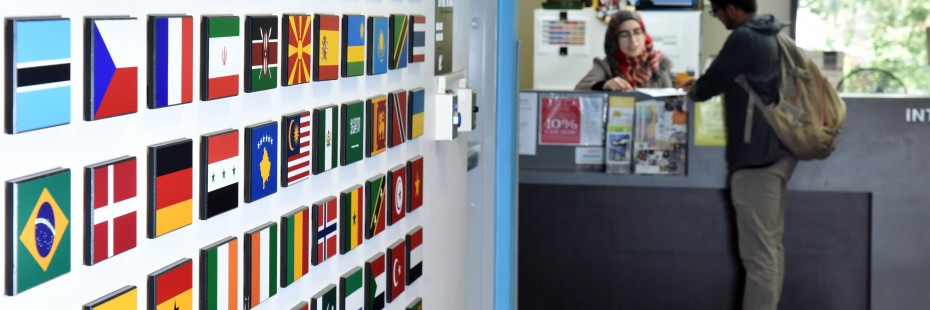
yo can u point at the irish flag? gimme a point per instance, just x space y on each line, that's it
219 269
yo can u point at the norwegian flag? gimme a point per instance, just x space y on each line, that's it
326 232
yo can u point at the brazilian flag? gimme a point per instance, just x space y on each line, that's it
40 206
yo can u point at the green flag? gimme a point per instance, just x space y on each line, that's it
40 207
353 114
325 138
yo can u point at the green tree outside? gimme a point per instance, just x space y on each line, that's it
890 35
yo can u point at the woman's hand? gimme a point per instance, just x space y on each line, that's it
617 84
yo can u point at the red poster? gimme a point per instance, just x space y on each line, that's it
560 121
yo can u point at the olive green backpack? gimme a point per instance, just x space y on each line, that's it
809 115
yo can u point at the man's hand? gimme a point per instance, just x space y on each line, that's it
617 84
686 84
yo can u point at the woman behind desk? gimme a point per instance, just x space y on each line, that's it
631 61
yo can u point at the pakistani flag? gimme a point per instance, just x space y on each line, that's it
375 282
219 263
221 57
325 138
350 284
352 147
325 299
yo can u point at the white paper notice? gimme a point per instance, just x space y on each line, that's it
526 132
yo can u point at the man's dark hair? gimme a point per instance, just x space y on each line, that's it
748 6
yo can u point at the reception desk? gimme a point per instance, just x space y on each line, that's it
857 226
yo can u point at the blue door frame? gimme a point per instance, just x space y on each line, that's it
506 158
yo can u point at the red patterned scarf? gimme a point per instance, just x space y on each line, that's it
638 70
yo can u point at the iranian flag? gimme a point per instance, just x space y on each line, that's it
224 53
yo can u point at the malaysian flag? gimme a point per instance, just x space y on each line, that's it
296 151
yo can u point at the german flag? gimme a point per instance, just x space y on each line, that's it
171 180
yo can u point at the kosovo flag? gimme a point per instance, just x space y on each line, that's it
261 142
39 207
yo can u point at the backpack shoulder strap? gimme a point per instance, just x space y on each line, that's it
754 100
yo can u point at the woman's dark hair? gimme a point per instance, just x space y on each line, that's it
611 44
748 6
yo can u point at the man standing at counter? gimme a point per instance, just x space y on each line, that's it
759 164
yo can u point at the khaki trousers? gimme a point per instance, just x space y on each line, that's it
757 196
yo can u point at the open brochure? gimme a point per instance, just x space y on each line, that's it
662 92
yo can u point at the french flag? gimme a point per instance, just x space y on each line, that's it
174 67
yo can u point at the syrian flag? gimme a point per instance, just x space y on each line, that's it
221 178
414 254
219 265
417 38
112 205
397 264
376 282
350 285
325 234
224 56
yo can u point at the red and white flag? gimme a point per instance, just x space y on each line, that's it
113 207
